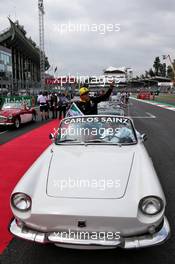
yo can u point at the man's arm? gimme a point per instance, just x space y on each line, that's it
105 96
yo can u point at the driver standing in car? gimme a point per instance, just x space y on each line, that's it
88 104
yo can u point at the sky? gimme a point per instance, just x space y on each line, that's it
128 33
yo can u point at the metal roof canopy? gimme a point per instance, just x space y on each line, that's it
15 37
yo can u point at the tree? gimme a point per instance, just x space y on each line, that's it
162 69
157 66
151 73
170 73
147 74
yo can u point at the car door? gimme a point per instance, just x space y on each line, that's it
28 114
22 115
25 114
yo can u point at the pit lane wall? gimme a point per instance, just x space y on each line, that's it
29 100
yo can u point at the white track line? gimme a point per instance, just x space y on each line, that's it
168 107
3 132
150 115
142 117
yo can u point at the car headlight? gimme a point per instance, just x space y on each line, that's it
151 205
21 201
10 117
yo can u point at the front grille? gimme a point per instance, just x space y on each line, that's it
3 118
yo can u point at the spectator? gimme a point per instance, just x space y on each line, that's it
47 105
43 105
63 103
127 97
54 105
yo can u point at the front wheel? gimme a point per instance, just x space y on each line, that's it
17 123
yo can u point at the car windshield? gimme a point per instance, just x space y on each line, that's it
11 105
96 129
110 108
111 111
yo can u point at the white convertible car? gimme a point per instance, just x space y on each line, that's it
94 187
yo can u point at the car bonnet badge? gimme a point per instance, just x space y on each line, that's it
81 223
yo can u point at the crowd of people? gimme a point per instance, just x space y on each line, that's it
122 97
56 103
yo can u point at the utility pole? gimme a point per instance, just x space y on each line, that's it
41 42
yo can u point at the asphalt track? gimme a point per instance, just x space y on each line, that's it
159 125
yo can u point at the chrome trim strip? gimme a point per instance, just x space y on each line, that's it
6 124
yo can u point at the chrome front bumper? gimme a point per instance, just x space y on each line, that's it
6 124
124 242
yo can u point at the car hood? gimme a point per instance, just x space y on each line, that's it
91 171
8 112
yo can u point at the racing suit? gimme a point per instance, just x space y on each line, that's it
90 107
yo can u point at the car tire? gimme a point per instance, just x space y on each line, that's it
17 122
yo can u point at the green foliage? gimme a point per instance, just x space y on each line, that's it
170 73
157 66
151 73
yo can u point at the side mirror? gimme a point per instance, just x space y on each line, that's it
51 136
143 137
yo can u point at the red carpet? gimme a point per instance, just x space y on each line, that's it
16 157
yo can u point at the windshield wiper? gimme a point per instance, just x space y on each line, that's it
103 141
95 140
67 140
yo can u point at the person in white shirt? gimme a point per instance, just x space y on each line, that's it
43 105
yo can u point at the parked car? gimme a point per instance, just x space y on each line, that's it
146 95
15 114
94 187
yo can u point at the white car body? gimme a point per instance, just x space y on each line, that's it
55 211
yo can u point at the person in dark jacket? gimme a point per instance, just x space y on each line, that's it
63 103
54 105
87 104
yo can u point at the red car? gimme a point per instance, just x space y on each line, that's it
15 114
144 95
